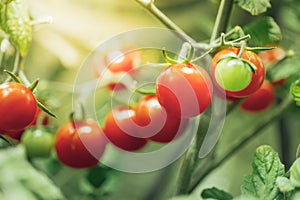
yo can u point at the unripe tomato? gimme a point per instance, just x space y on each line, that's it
38 142
257 77
17 106
261 99
184 90
121 130
80 144
156 123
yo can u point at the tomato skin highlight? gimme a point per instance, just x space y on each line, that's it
17 106
121 130
80 144
184 90
156 123
261 99
257 78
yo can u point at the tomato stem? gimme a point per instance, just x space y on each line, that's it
222 18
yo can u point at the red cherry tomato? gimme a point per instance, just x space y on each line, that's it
14 134
17 106
184 90
40 113
257 77
156 123
261 99
80 144
116 62
121 130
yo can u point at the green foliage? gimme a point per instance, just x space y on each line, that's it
267 167
20 179
255 7
15 22
263 31
215 193
295 91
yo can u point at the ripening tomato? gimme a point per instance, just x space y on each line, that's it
17 106
80 144
184 90
261 99
121 130
156 123
257 78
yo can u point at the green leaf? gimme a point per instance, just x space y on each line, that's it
20 179
286 69
295 173
215 193
266 167
263 31
295 91
15 21
285 184
255 7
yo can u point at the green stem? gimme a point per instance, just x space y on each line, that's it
238 145
222 18
150 7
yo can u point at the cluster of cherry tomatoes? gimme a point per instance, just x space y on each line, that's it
183 91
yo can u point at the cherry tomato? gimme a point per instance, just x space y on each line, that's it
44 117
17 106
270 57
14 134
257 77
156 123
116 62
37 142
121 130
261 99
184 90
80 144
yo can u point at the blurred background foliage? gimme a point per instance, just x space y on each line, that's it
59 49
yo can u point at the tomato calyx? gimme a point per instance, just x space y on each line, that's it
184 57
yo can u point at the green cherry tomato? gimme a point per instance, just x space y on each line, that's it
38 142
233 74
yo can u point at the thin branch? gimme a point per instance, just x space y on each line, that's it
234 149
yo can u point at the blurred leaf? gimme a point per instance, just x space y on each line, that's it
286 69
20 179
254 7
296 195
182 197
284 184
266 167
215 193
263 31
295 91
15 21
295 173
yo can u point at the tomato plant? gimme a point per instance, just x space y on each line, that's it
121 130
184 90
238 76
17 106
156 122
80 144
38 142
261 99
